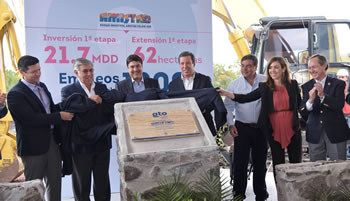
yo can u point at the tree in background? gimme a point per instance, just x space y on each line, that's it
224 75
11 79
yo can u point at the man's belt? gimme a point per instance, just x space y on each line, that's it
253 125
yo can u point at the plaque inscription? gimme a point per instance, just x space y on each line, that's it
162 125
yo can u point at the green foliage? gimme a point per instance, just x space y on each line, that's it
340 192
211 187
178 188
224 75
219 134
11 79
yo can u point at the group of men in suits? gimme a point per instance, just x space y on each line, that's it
37 120
189 80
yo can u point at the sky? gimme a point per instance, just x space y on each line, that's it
223 52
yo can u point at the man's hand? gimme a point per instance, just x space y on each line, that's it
66 116
319 89
223 92
2 98
96 98
312 95
233 131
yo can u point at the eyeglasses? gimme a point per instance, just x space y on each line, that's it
33 72
248 65
87 70
342 77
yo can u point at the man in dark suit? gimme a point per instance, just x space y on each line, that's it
3 109
191 80
136 83
322 104
35 116
93 158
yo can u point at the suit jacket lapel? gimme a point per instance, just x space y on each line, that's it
180 84
327 85
147 83
42 85
80 89
31 93
129 86
196 82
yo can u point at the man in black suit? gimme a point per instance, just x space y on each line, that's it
35 116
136 83
93 158
3 109
322 104
191 80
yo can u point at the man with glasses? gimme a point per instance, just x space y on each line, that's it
89 159
248 138
35 117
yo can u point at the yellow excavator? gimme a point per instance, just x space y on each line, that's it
10 164
293 38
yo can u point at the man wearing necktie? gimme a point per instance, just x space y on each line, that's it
322 109
35 116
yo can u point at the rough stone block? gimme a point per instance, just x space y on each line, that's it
306 181
28 190
143 164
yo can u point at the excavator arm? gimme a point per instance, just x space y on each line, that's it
237 21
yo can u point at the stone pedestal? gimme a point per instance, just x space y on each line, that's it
307 181
28 190
142 164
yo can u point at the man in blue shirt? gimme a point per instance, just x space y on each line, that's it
247 136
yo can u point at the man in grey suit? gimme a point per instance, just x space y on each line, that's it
322 109
136 82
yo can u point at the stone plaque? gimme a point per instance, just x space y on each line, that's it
162 125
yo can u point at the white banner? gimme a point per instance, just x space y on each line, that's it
107 31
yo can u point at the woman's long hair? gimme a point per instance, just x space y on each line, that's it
285 76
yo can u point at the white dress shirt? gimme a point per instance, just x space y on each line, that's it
188 83
308 104
244 112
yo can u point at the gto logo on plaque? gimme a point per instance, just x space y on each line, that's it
162 125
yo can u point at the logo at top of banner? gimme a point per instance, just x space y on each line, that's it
125 20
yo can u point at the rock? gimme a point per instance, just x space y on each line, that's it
143 164
308 181
28 190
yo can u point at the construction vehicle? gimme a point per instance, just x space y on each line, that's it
293 38
10 164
